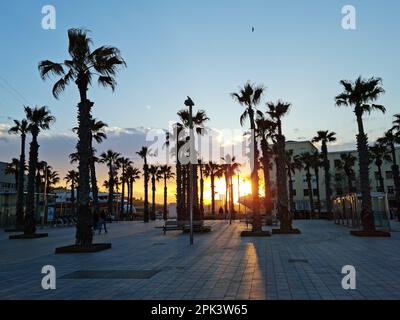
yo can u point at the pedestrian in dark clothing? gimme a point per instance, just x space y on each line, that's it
102 222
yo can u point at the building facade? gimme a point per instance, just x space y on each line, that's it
7 181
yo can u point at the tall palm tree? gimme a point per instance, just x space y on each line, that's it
201 167
249 97
326 137
83 65
155 174
360 94
317 163
132 174
144 153
110 158
199 119
293 164
124 164
391 139
277 111
378 154
308 162
39 118
265 132
22 128
212 171
347 164
166 173
98 134
72 178
53 179
231 167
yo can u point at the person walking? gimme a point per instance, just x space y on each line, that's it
103 222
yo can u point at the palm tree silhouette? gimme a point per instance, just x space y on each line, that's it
265 132
359 94
379 153
72 178
39 118
347 164
249 97
22 128
12 168
155 174
326 137
212 171
317 163
110 158
132 174
166 173
144 153
308 162
124 163
293 164
390 139
82 67
277 111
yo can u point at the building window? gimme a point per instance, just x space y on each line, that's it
294 192
389 174
390 189
315 191
305 192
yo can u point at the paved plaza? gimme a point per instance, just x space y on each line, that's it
145 264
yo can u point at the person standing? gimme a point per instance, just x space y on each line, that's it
102 222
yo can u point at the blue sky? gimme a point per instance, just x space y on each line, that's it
206 49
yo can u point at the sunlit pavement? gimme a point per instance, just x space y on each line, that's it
220 265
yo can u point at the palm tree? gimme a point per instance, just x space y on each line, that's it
277 111
12 168
308 161
72 178
212 171
293 163
378 154
201 167
110 158
39 119
326 137
124 164
22 128
154 171
144 153
249 97
84 64
347 164
53 179
390 140
199 120
231 168
317 163
132 174
359 94
166 173
265 132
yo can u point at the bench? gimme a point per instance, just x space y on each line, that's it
171 225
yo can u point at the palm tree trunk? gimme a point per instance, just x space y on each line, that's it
226 192
131 197
20 187
285 217
367 216
153 207
381 182
30 227
123 191
95 189
328 190
84 234
73 198
310 194
257 225
165 198
212 177
179 202
110 202
146 193
318 193
231 198
267 178
201 190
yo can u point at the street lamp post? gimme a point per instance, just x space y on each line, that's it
189 103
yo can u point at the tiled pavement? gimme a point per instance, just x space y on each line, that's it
220 265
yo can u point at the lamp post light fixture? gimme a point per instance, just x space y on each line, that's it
189 103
